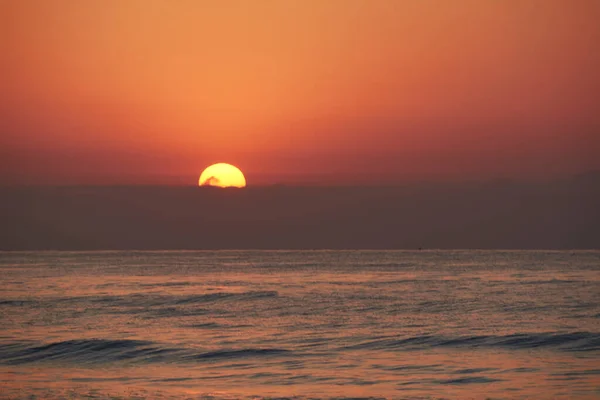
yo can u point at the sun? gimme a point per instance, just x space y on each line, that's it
222 175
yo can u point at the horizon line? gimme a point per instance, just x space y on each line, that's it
289 185
289 250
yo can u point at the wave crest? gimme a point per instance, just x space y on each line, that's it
576 341
89 351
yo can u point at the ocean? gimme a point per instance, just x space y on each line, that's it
300 325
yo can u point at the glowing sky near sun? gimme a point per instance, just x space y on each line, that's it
151 91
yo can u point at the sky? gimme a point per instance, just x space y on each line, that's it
321 91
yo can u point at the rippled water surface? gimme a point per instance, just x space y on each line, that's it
315 324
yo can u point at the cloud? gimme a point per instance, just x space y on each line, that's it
212 181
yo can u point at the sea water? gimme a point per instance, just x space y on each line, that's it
300 324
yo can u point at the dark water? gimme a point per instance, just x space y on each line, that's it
318 324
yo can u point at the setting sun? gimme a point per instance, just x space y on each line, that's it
222 175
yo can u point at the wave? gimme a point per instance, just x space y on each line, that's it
576 341
15 303
148 300
84 351
467 380
91 351
244 353
211 297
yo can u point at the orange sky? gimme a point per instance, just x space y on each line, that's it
342 91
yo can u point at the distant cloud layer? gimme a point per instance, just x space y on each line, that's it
505 215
